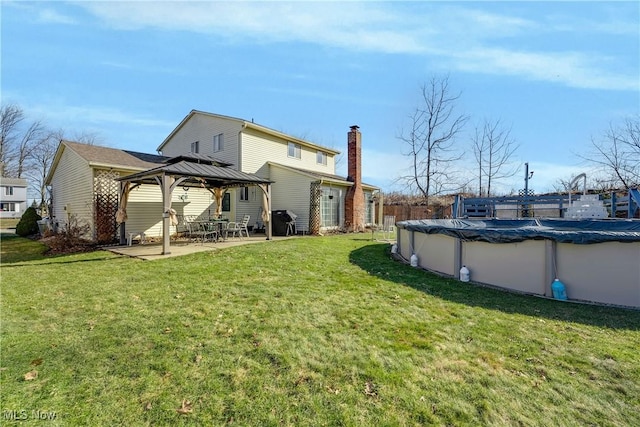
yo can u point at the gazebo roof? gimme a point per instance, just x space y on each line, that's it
197 173
198 158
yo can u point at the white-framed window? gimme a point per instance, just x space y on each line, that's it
195 147
218 142
8 207
321 158
8 191
244 194
330 207
294 150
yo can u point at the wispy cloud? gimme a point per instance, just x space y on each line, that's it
51 16
42 14
573 69
466 39
94 115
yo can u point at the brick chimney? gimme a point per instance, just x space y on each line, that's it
354 208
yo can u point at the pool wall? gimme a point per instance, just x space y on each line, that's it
605 272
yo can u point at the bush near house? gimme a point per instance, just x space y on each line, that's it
28 224
69 239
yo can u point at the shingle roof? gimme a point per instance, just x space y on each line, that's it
113 156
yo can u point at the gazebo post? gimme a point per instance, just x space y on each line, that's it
166 203
269 229
123 231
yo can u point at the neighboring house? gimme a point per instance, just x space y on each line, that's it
85 187
13 197
304 173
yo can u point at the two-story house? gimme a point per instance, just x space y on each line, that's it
303 173
86 180
13 197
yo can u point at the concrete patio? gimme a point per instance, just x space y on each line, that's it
153 250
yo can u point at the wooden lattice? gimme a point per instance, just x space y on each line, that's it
315 196
105 190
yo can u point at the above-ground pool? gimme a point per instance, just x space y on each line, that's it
596 260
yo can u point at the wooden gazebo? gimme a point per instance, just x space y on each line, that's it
190 170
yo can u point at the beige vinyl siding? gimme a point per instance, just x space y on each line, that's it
202 128
259 147
291 192
73 184
251 207
144 209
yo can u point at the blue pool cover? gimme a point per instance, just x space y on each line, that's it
583 231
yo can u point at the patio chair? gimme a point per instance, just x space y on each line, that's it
238 227
201 230
389 226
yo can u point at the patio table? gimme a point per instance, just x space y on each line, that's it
217 225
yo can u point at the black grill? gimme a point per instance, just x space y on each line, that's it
284 222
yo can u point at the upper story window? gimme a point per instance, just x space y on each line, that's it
195 147
218 142
8 191
294 150
321 158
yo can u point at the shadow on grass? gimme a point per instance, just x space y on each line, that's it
376 260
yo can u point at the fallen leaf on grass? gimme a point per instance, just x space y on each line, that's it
148 406
370 389
185 408
37 362
167 330
31 375
198 358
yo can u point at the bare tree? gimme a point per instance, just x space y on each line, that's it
27 150
431 140
40 163
10 118
16 142
493 148
617 154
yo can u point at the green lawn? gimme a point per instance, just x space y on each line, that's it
304 332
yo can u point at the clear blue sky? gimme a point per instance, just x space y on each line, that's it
557 73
